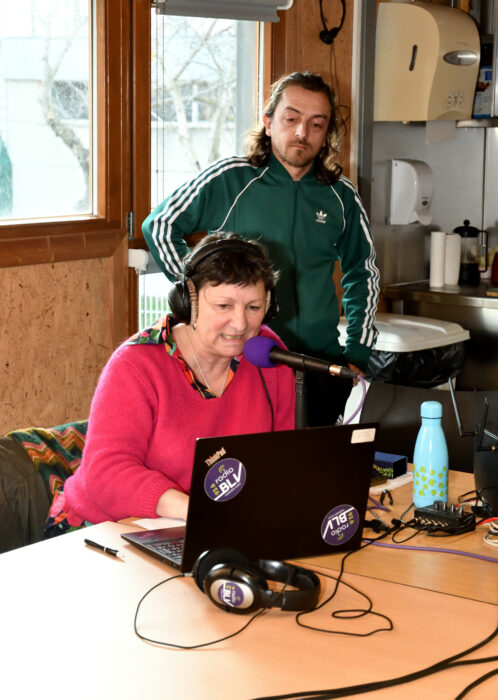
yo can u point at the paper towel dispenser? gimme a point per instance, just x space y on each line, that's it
426 62
412 185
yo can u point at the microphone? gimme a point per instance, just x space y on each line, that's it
263 351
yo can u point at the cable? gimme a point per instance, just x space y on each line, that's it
477 682
491 537
341 614
346 614
194 646
362 400
269 399
493 560
347 691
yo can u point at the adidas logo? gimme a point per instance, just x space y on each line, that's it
321 217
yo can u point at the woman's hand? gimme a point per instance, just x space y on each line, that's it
172 504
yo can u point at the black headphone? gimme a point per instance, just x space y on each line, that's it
328 35
182 297
235 584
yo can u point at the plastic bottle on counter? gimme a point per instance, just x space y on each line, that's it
430 458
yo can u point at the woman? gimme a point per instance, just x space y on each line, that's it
185 377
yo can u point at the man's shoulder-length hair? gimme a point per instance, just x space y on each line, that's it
258 143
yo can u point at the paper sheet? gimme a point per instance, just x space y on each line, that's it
156 523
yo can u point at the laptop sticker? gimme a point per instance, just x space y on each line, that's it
340 524
230 593
225 479
362 435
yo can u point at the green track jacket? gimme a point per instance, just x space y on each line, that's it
306 226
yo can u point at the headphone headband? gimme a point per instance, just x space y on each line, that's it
197 257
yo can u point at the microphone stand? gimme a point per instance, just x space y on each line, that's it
300 411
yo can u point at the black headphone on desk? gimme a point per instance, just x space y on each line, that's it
235 584
182 297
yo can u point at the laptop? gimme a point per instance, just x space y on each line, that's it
281 495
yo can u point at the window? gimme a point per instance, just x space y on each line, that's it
200 107
68 94
45 108
204 85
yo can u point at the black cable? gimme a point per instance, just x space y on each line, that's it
347 691
269 399
346 614
409 524
204 644
477 682
338 614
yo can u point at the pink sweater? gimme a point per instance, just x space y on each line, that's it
143 423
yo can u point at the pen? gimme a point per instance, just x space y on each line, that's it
107 550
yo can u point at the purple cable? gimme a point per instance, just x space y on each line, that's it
358 408
434 549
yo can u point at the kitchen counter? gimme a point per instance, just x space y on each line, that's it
467 306
460 296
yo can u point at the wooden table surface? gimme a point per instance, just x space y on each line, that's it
67 616
455 574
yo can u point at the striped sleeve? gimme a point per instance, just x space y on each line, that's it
198 205
361 280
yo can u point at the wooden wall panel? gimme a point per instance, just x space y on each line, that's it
58 328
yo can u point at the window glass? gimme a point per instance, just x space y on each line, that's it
204 81
45 108
203 87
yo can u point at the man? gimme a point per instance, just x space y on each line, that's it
289 191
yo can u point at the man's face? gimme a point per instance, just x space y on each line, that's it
298 128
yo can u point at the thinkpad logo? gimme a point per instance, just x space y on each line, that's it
321 217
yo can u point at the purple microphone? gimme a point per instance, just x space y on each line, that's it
258 350
266 352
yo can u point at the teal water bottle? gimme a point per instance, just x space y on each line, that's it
430 458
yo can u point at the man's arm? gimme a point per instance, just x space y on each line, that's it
164 230
199 205
360 280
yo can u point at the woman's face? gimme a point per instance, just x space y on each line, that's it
228 315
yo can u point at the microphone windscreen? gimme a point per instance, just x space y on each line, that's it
257 350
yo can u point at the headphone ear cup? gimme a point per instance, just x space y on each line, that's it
212 557
179 300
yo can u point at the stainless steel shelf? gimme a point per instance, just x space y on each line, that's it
454 296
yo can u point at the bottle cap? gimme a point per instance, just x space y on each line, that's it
431 409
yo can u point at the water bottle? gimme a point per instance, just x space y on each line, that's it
430 458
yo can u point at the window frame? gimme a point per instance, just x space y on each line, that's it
92 236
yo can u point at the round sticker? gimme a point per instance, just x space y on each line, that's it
340 524
225 479
230 593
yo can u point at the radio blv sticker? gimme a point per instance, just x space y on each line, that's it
340 524
225 479
230 593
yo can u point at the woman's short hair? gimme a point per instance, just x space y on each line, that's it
227 258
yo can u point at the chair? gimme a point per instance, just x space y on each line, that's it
33 463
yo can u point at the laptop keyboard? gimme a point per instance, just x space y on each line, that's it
171 550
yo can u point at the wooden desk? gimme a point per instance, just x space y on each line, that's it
67 630
447 573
